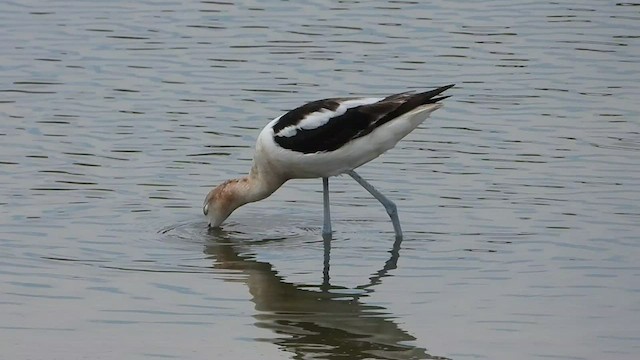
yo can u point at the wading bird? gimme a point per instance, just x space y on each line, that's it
321 139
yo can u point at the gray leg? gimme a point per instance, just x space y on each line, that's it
326 227
391 208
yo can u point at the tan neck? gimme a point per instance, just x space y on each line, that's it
259 185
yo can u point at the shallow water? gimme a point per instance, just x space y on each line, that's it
520 199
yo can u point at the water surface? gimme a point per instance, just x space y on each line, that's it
519 199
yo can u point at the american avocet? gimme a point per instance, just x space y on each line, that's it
321 139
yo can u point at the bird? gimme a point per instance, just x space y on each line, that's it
321 139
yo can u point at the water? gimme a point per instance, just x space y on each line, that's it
519 199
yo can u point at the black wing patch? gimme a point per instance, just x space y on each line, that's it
354 123
294 116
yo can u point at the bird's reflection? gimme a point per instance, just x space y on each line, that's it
321 323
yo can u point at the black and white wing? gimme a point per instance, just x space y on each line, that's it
327 125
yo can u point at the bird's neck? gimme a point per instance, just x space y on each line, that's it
259 185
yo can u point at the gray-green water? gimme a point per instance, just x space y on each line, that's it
520 199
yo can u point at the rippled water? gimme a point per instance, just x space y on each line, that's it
520 200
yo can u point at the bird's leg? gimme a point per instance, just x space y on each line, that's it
326 278
391 208
326 227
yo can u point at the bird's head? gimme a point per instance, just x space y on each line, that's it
222 200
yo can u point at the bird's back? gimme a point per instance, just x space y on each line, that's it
328 137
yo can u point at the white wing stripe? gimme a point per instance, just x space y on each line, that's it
317 119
